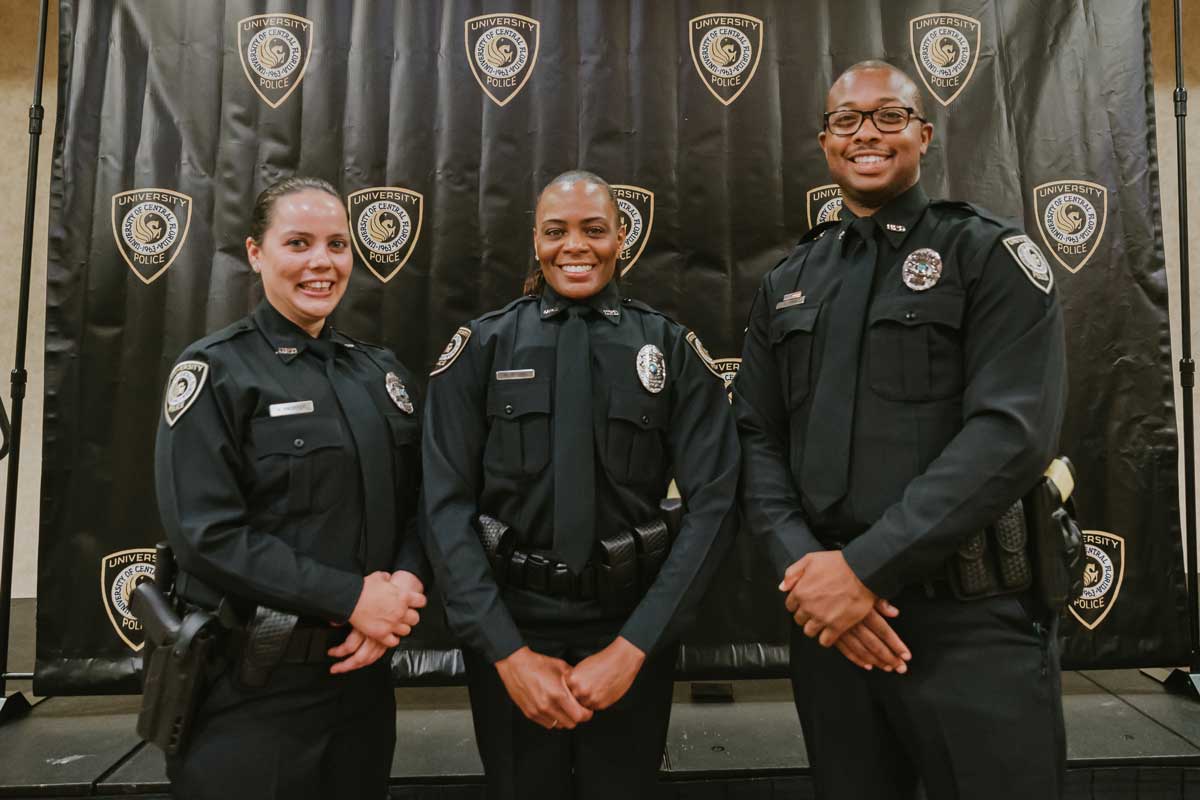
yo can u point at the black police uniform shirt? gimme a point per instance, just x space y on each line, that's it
287 467
487 449
959 399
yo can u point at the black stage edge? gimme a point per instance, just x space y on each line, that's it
15 706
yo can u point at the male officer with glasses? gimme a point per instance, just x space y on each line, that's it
902 385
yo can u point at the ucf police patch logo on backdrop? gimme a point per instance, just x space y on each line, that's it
275 49
945 48
1103 574
120 572
824 204
386 222
1071 216
502 50
636 207
725 49
150 227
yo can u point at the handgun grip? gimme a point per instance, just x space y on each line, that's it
155 613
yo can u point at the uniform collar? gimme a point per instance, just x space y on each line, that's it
285 336
607 302
898 217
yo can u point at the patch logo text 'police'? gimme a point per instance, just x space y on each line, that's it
120 573
945 48
454 348
502 50
150 227
1071 216
1032 262
824 204
275 49
635 206
183 387
1103 574
385 222
725 48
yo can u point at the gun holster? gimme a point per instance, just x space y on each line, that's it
1056 544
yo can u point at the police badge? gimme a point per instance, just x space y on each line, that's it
399 394
922 269
651 368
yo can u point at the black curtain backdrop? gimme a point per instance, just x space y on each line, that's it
439 121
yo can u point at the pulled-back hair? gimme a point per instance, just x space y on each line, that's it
534 280
264 204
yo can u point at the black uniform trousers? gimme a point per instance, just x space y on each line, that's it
616 754
305 735
977 717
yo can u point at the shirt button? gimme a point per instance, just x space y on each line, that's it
298 442
910 316
508 409
645 419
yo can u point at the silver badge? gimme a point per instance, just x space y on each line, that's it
922 268
183 387
651 368
399 394
1031 260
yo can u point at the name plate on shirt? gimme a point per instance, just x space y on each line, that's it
287 409
514 374
791 299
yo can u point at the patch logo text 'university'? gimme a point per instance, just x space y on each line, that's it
636 208
275 49
1103 574
120 573
1071 216
725 49
150 227
824 204
502 50
386 223
945 48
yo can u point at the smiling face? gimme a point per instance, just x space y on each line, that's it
304 257
577 237
873 167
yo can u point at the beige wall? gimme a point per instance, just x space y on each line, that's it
18 20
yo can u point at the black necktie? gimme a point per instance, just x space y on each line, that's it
826 468
574 460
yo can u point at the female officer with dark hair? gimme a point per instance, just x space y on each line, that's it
553 429
287 470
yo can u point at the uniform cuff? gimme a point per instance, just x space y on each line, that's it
870 564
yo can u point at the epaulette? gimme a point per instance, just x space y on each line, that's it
640 306
818 231
975 211
244 325
525 298
344 338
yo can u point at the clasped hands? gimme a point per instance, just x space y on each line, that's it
833 606
554 694
386 611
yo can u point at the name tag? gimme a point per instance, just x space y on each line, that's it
287 409
791 299
514 374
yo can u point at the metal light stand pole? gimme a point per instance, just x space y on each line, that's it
15 704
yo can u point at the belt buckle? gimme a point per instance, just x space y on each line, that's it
537 573
562 582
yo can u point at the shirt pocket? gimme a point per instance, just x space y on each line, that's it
914 345
406 454
519 427
635 440
792 332
298 462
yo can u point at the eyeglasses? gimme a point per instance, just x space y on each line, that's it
888 119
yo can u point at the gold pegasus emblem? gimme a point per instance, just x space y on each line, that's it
381 227
943 53
498 52
147 228
1069 219
271 53
723 51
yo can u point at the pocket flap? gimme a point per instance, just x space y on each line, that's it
296 436
944 307
405 429
789 320
513 399
643 410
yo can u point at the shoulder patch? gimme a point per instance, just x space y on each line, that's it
818 231
1031 261
183 387
454 348
702 351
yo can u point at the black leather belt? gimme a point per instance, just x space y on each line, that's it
308 643
537 573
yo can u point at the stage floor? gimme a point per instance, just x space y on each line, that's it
1126 738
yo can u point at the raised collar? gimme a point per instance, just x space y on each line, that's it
285 336
898 217
607 302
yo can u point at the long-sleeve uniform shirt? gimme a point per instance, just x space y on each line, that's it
960 391
287 466
488 444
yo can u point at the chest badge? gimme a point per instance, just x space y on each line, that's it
922 269
398 393
651 368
